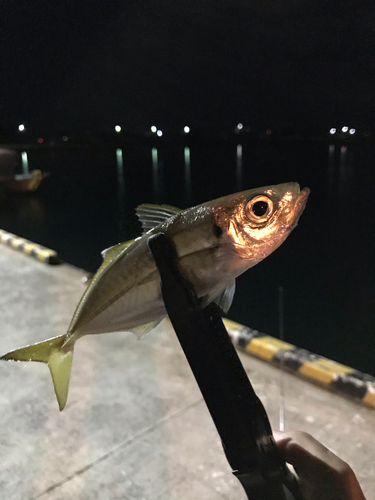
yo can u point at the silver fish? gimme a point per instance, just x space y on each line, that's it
215 242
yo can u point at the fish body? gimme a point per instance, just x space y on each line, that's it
215 242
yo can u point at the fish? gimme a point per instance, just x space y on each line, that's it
215 243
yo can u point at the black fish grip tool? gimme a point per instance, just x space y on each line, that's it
237 412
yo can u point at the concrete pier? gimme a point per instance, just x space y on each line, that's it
135 426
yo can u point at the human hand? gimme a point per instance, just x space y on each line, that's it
320 473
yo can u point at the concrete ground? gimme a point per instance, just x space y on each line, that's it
135 426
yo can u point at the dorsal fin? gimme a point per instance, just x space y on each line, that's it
153 215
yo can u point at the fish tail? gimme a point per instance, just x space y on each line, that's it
57 353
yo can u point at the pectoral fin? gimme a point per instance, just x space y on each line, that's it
223 299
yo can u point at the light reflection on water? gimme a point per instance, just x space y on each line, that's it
187 178
155 173
25 162
239 167
120 183
326 267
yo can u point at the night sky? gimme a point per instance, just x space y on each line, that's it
93 64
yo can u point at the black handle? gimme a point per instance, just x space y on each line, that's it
238 414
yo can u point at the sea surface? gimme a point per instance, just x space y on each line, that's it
326 266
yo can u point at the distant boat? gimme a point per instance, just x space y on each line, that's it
17 183
23 182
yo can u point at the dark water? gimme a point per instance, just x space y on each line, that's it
326 266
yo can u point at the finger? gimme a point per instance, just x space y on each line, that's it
319 470
297 446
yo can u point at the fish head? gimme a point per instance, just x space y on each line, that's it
258 221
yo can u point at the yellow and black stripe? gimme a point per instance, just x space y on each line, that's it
323 371
37 251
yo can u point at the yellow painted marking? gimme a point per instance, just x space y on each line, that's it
45 253
232 324
267 347
332 366
29 248
310 370
16 242
5 233
370 397
323 370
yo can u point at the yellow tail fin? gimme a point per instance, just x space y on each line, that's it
57 354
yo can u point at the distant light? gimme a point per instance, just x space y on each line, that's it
118 128
186 130
352 131
65 138
159 133
153 129
268 131
345 129
240 126
40 140
332 131
21 127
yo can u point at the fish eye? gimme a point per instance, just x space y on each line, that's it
259 208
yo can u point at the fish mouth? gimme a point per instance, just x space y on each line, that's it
299 205
301 200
